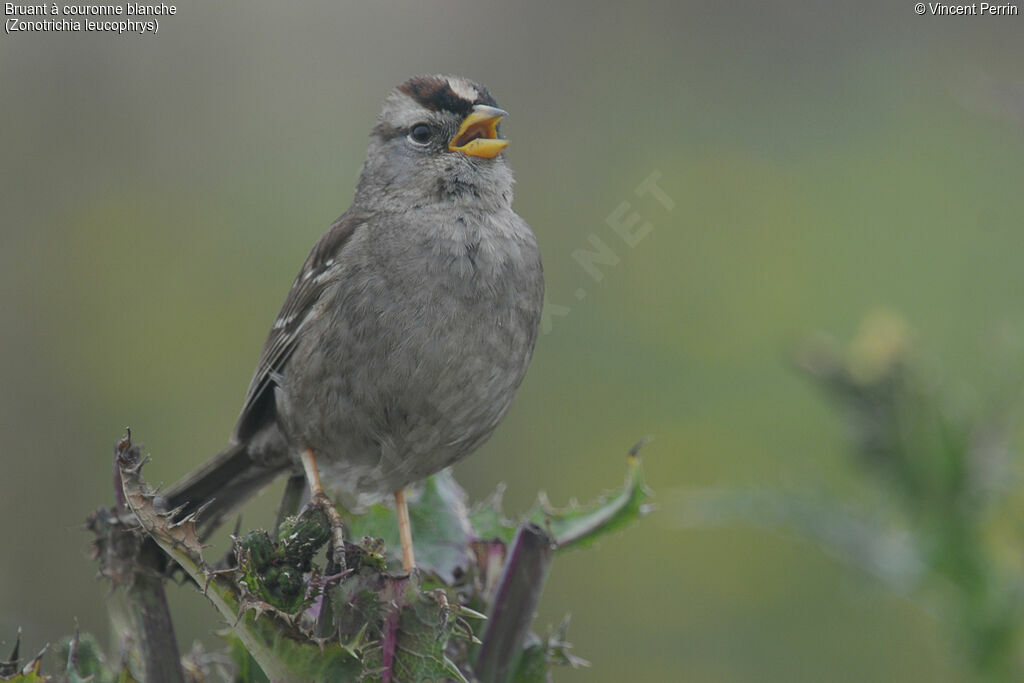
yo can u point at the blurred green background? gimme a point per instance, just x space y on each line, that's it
159 193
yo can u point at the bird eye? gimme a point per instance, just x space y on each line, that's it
420 133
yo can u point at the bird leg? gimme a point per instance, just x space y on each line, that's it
336 550
404 531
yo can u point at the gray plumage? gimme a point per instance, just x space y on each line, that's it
408 330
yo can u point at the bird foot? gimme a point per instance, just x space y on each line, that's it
336 548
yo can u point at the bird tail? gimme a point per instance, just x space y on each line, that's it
220 486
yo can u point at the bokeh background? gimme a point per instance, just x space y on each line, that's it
159 193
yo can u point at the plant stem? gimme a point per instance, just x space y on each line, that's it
519 588
144 610
139 614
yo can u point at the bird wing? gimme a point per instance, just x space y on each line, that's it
310 284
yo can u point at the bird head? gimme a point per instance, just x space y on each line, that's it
437 140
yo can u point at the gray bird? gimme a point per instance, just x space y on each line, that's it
409 327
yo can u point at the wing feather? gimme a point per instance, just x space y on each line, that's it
308 287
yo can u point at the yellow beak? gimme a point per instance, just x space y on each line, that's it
478 134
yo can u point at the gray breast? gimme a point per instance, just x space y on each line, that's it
416 349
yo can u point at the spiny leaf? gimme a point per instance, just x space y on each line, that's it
559 648
539 655
574 526
489 520
577 526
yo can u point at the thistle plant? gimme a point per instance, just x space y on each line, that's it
940 474
464 614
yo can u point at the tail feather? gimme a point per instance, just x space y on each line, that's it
220 486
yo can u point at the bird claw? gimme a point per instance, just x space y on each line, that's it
336 546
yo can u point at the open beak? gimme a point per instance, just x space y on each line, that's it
478 134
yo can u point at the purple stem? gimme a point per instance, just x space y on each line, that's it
515 601
388 646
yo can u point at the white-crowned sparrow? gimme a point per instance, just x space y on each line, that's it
410 326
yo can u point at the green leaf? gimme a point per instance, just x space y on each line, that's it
489 521
540 655
533 662
421 637
245 667
282 658
441 529
574 526
579 526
